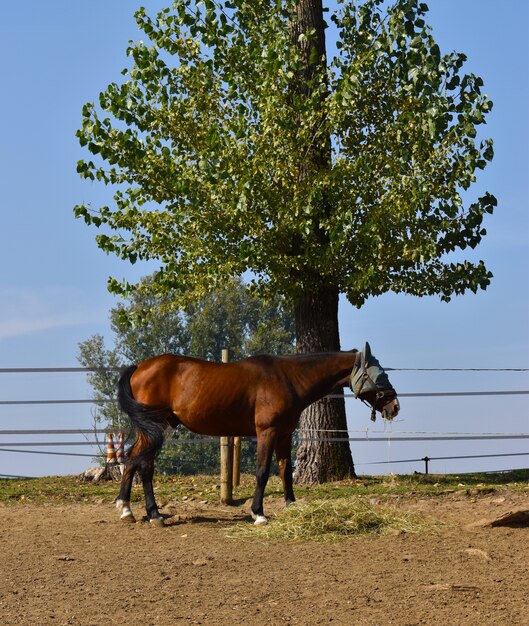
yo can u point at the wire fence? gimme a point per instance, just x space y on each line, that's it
334 436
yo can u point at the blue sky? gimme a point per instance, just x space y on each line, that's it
60 54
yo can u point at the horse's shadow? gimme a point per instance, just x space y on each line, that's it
215 516
203 519
170 521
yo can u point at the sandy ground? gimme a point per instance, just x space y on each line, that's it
78 564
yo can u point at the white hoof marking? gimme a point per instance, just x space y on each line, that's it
259 520
126 513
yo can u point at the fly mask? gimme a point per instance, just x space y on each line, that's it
370 383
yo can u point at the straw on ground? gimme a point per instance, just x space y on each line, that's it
333 519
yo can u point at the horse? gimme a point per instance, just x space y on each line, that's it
261 396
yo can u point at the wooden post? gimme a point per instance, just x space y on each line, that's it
226 458
236 461
226 471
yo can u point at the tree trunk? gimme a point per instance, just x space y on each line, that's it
321 461
317 310
309 16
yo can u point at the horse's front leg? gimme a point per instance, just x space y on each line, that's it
265 447
284 460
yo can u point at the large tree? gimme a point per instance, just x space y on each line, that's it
235 144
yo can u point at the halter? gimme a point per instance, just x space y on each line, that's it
361 380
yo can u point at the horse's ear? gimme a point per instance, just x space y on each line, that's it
367 351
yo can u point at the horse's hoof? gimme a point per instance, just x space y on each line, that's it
156 521
259 520
126 514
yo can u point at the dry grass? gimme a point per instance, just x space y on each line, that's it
334 519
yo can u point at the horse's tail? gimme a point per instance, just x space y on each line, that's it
149 421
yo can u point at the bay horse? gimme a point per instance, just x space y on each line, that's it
260 396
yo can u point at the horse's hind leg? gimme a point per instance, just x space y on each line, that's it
137 462
146 471
284 460
123 501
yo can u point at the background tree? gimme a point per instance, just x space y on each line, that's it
166 332
94 354
236 145
233 317
226 318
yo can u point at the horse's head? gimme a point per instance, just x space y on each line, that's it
370 383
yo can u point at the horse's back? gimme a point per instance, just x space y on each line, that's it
155 379
213 398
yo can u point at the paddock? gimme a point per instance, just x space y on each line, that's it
70 562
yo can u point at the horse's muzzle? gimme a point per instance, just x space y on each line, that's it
391 409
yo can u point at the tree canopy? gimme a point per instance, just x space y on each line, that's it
206 137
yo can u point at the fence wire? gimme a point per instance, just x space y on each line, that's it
367 435
44 370
420 394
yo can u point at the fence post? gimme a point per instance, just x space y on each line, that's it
226 471
426 459
236 461
226 458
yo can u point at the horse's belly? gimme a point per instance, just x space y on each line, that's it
232 423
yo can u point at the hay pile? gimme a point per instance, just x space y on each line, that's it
333 519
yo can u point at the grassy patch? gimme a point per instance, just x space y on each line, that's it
334 519
57 489
418 484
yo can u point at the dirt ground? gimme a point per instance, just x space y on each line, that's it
78 564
